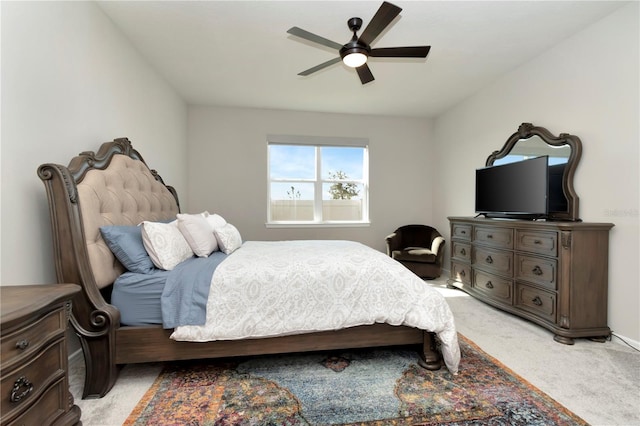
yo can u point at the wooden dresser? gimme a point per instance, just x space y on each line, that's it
551 273
34 382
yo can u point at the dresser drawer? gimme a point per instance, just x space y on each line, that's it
39 372
493 287
500 262
545 243
461 231
538 270
461 272
539 302
494 237
462 251
30 339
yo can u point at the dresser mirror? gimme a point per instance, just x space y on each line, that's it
564 153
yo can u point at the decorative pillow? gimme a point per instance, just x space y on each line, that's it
125 242
165 244
228 238
215 221
198 233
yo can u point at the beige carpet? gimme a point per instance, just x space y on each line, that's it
599 382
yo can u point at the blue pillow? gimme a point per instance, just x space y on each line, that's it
125 242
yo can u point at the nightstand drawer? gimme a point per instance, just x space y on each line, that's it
30 339
494 237
500 262
537 270
47 409
462 251
460 231
539 302
545 243
25 385
495 288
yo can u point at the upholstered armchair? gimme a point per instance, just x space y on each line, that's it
418 247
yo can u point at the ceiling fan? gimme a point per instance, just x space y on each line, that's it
355 53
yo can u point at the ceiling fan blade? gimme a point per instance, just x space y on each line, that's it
299 32
365 74
383 17
321 66
401 52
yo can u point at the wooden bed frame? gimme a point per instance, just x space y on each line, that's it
106 344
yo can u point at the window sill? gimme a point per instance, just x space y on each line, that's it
317 225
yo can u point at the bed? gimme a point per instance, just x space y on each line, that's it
114 187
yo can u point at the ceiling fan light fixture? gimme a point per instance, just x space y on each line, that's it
354 59
356 52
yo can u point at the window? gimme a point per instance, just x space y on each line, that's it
317 181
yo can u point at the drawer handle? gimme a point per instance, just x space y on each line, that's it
490 236
21 388
463 252
537 270
463 232
537 301
462 273
489 260
537 242
22 344
489 284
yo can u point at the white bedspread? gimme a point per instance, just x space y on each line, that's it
276 288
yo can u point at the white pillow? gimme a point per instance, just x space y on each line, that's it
196 230
165 244
215 221
228 238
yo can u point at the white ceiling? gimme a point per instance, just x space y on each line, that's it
238 53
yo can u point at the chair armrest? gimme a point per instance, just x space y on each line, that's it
392 241
437 247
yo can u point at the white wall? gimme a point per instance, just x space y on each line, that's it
588 86
71 81
228 168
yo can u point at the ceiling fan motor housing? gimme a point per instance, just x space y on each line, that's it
354 46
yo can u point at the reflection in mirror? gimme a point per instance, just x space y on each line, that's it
533 147
564 152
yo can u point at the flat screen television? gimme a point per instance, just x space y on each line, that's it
517 190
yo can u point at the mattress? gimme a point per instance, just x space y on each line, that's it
137 296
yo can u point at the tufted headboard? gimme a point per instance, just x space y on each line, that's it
111 187
125 193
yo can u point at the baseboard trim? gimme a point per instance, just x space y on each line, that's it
623 340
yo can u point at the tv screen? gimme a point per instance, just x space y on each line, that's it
514 190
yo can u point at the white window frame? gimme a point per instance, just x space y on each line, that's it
319 142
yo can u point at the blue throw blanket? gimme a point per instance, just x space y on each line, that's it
185 294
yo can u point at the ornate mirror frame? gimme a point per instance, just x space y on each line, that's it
528 130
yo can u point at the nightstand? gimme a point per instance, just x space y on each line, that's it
34 384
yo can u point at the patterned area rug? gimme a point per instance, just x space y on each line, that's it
356 387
